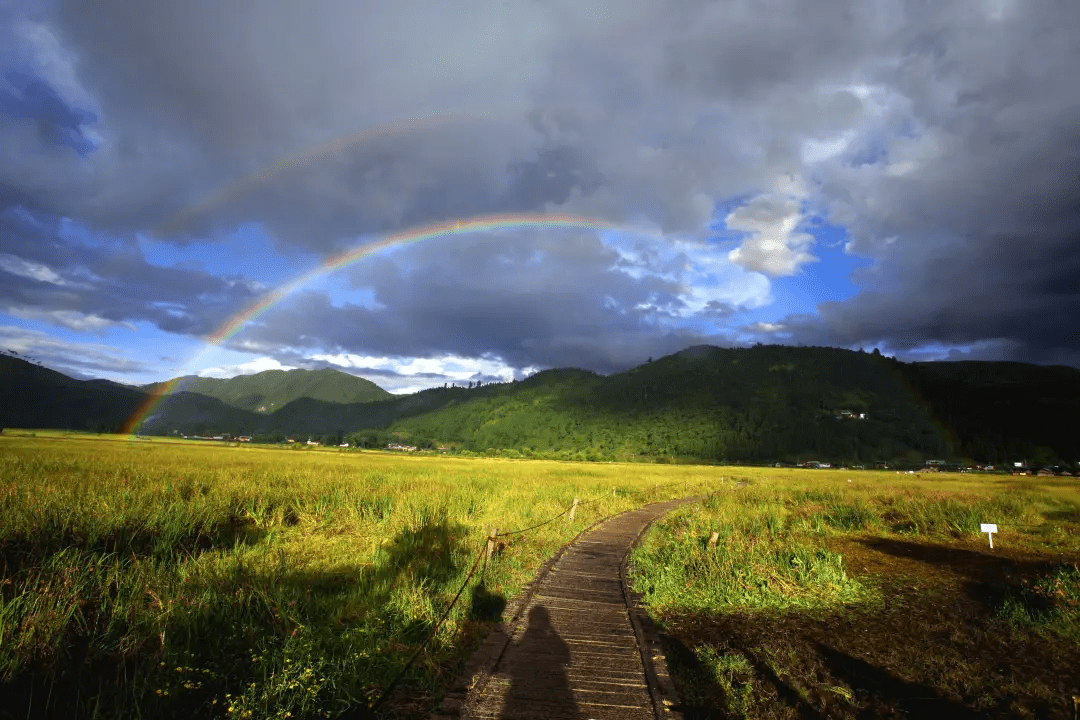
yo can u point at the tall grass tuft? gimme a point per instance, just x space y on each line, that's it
759 561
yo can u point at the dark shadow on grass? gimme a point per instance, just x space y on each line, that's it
693 680
786 691
697 682
254 612
989 578
1071 515
924 654
916 699
485 605
25 550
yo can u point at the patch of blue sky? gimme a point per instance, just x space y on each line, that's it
74 231
830 278
335 284
943 351
708 281
827 280
114 352
248 251
164 354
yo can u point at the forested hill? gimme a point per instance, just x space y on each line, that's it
32 396
760 404
1031 411
271 390
775 403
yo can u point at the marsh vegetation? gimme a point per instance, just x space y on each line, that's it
841 594
148 578
182 580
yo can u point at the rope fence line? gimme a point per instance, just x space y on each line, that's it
518 532
485 552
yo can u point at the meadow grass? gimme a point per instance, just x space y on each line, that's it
821 584
175 579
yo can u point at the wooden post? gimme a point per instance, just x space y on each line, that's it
574 509
612 493
713 537
491 543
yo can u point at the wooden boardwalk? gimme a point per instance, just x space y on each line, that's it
577 647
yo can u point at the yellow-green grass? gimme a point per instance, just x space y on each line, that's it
153 578
832 593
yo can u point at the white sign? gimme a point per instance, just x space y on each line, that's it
989 529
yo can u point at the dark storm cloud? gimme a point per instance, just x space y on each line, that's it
218 96
944 136
1018 291
975 244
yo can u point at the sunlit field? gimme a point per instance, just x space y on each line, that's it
162 578
155 578
871 594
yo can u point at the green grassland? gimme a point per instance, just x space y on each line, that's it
158 578
145 578
842 594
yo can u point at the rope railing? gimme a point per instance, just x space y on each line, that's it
540 525
485 554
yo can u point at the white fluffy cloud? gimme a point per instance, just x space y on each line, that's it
32 270
773 245
408 375
70 319
257 365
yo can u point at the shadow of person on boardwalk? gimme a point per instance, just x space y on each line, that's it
537 669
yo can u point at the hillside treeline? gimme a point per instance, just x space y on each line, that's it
774 404
757 405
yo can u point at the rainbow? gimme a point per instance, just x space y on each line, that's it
236 323
178 221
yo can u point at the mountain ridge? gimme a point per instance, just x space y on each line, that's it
270 390
761 404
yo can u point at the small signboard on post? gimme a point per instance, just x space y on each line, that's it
989 529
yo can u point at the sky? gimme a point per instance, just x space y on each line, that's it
178 184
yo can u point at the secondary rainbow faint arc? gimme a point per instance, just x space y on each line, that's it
178 220
487 222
